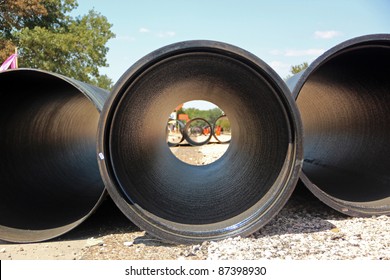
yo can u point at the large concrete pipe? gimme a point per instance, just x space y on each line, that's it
344 100
194 132
182 203
49 175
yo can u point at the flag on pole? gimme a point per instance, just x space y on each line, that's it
10 63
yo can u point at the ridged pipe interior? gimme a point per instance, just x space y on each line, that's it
234 195
49 176
345 109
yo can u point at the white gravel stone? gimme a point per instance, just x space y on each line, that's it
317 233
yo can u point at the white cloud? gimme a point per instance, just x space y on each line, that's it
329 34
166 34
162 34
144 30
125 38
280 67
308 52
292 52
276 52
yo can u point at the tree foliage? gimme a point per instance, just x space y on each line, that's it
224 123
49 38
17 14
210 115
295 69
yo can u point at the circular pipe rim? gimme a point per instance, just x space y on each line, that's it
290 179
181 128
215 135
188 138
96 96
297 82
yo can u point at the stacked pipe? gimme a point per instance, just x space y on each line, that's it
197 132
53 175
235 195
49 176
344 101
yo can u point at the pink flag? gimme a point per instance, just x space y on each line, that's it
10 63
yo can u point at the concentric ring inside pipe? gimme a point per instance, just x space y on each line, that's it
235 195
344 100
49 176
195 135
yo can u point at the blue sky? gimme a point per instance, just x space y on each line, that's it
281 33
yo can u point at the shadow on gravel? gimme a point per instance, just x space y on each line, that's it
303 213
107 219
149 240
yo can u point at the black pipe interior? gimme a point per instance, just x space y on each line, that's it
345 109
182 197
49 176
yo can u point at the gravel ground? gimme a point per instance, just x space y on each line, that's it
304 229
201 155
308 230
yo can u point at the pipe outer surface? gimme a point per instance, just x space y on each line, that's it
49 175
344 101
235 195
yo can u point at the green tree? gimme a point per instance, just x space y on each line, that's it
12 15
210 115
49 38
224 123
103 81
295 69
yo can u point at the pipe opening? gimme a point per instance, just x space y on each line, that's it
180 202
198 132
222 130
345 111
49 176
